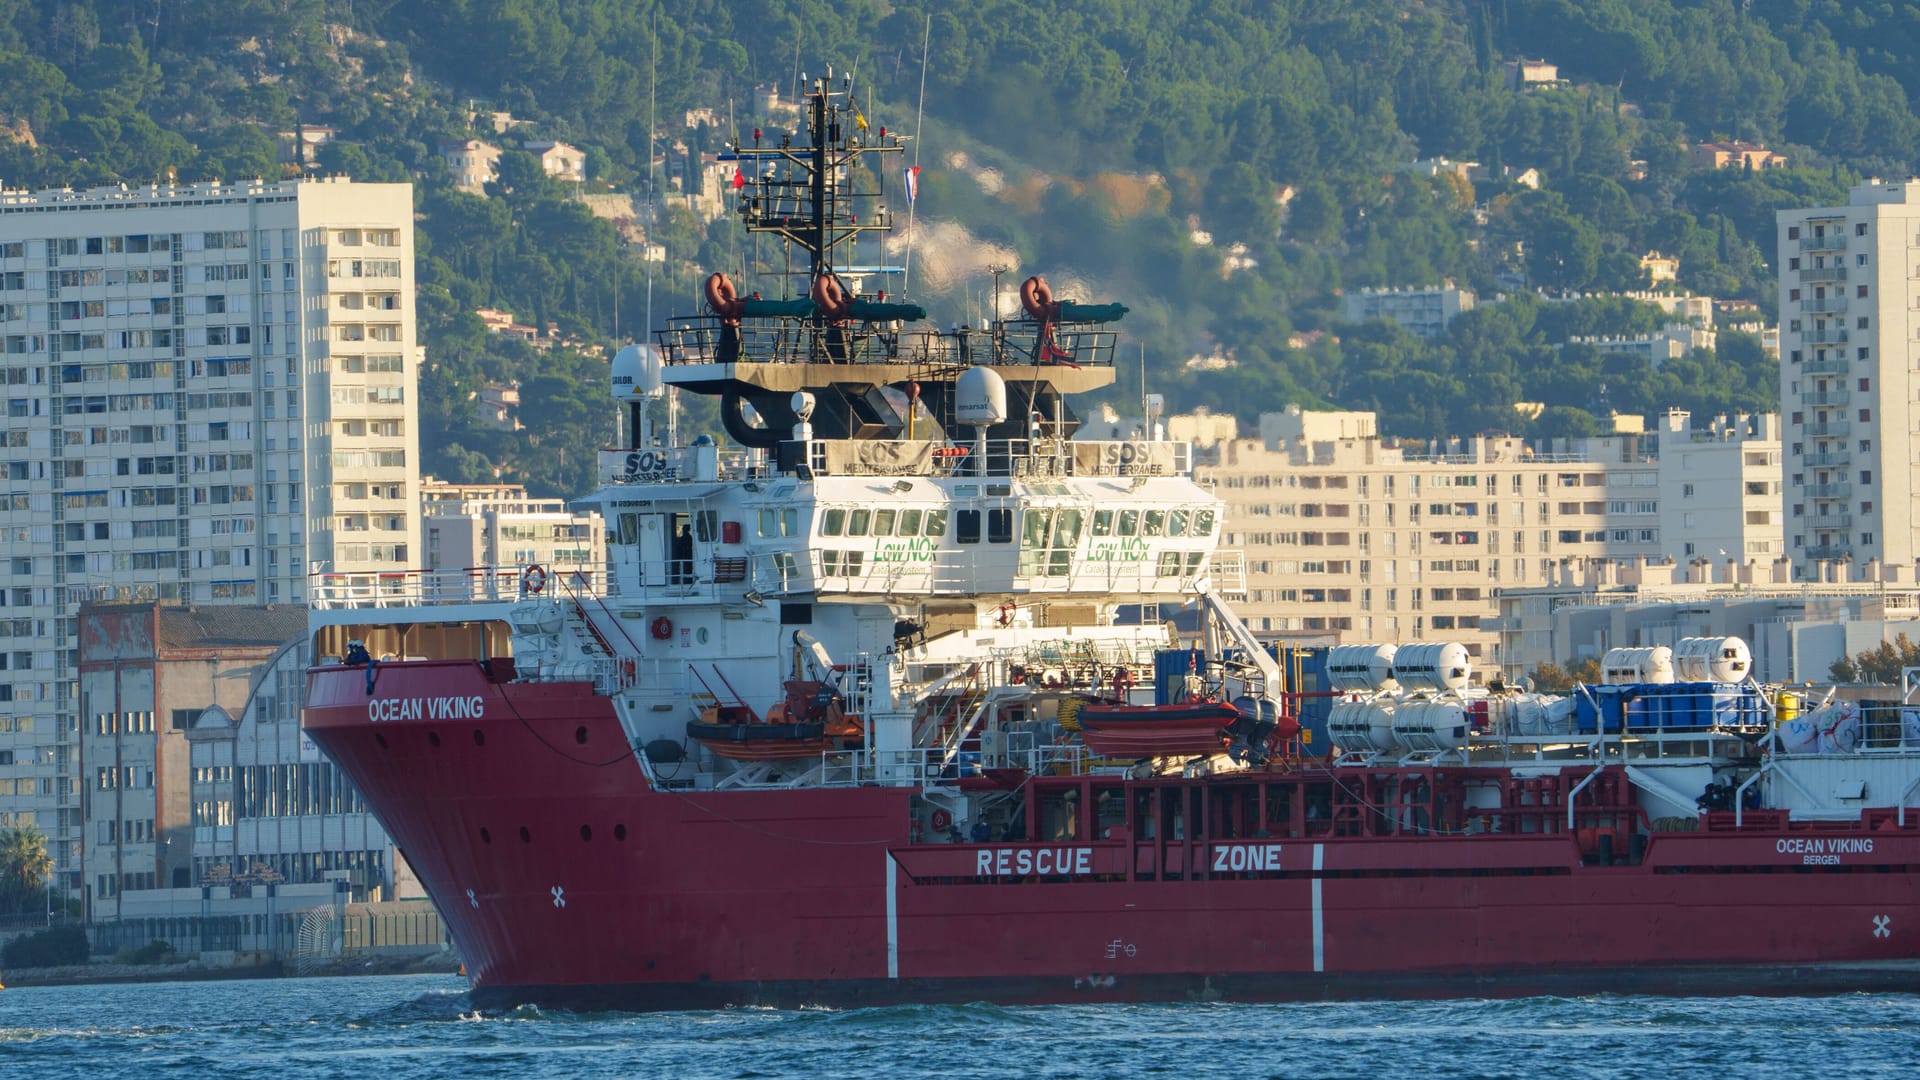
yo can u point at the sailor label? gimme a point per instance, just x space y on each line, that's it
1230 858
1046 860
383 710
1823 850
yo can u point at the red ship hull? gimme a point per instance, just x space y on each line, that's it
567 880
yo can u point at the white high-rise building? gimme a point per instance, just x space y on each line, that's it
1849 347
209 397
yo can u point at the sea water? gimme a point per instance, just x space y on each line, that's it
386 1028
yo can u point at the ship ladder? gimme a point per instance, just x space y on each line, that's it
967 717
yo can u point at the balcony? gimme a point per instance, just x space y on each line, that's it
1828 429
1827 552
1832 365
1830 491
1828 460
1822 274
1833 241
1836 302
1824 337
1826 397
1829 521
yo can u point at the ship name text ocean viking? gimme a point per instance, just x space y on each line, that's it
430 708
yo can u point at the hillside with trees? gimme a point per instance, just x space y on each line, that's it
1229 170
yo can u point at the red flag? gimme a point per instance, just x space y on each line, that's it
739 180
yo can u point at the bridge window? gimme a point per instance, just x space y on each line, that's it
1155 523
909 523
966 526
883 522
833 522
1177 523
857 522
1129 522
937 523
780 522
1000 525
1103 523
1203 523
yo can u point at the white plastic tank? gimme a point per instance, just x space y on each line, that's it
979 398
1712 659
1438 665
1654 665
1437 724
1526 715
1360 667
1359 726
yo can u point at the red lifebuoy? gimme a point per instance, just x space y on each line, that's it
1036 298
661 628
940 820
721 297
830 297
533 579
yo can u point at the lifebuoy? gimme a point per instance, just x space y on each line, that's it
661 628
533 579
940 820
1037 298
1006 614
722 298
830 297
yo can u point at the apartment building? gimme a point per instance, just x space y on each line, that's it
1849 376
1425 312
1349 537
469 526
209 393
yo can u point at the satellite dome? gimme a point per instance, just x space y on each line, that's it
980 397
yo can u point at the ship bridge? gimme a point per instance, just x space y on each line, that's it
911 518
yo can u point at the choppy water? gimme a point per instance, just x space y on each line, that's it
423 1026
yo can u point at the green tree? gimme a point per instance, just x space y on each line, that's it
25 866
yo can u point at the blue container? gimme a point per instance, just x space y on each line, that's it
1649 707
1170 671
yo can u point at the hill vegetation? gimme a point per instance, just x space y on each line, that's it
1228 169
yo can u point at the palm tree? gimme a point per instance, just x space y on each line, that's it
25 866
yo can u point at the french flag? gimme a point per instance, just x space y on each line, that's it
913 183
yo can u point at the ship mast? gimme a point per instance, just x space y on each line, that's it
811 196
